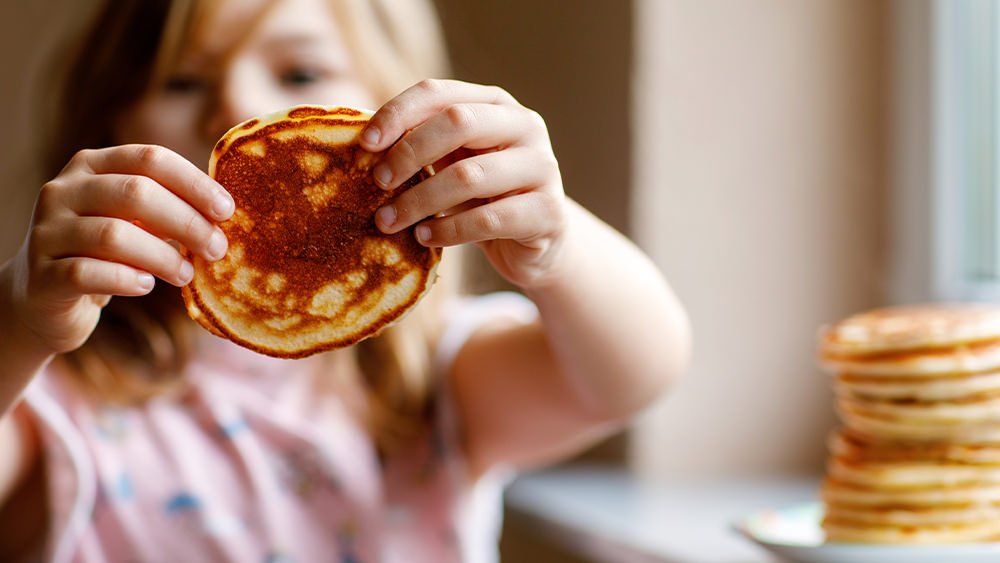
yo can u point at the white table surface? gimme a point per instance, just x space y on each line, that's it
608 515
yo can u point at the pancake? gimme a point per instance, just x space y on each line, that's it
912 517
907 328
973 410
838 530
872 424
307 270
960 359
835 493
918 388
909 475
852 447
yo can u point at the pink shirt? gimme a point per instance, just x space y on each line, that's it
253 465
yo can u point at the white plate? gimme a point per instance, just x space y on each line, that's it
794 533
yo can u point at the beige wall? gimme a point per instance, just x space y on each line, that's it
28 31
570 65
760 182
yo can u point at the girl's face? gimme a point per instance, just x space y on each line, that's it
294 53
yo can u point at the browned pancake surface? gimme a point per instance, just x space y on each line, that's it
305 254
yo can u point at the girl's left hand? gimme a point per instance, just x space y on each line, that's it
497 182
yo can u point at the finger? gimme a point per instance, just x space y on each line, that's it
417 103
168 168
139 198
480 177
472 126
523 217
90 276
119 241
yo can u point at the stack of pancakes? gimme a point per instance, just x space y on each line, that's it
918 457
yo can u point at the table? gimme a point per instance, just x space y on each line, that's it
605 514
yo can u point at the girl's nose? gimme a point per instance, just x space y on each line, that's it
236 97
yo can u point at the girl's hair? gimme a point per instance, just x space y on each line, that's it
142 344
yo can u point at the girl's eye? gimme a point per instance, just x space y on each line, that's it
183 84
301 76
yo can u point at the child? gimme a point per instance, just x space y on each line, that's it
130 434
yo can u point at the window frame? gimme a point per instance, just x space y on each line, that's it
945 202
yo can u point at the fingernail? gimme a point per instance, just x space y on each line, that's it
186 273
223 206
145 281
423 233
383 175
386 215
216 245
371 135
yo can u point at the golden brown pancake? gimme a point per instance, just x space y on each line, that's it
925 389
908 328
971 410
912 475
836 493
960 359
935 516
916 426
853 447
307 270
977 526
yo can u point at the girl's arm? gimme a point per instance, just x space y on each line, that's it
100 228
20 449
612 334
22 355
611 338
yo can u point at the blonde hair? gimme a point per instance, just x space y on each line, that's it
142 344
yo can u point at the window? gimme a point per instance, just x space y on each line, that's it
947 181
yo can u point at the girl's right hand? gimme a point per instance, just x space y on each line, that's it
101 228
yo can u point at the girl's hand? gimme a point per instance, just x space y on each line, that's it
499 185
101 228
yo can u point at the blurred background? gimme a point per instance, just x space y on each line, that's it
781 160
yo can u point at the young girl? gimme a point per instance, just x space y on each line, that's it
130 434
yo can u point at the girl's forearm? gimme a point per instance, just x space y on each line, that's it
615 327
21 354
